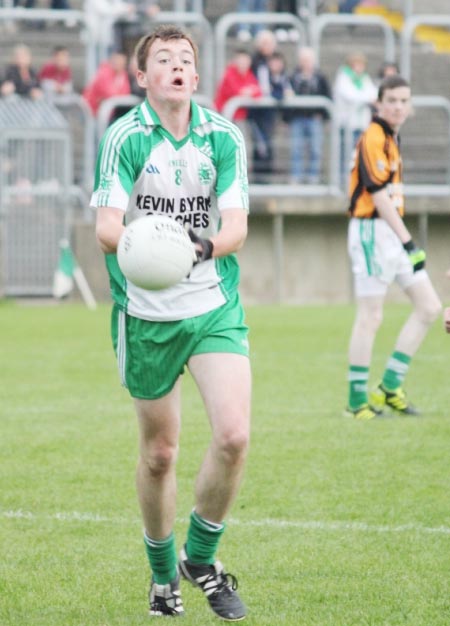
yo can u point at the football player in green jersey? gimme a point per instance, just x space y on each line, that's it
168 155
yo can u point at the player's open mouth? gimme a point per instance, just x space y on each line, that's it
178 82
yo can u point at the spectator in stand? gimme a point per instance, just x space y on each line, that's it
110 80
354 95
56 75
128 24
54 4
388 68
20 78
307 125
101 17
135 89
238 80
246 31
262 119
59 4
280 85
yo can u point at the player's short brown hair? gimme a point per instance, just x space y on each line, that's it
165 33
391 82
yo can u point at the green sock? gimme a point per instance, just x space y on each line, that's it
162 556
358 378
396 370
202 539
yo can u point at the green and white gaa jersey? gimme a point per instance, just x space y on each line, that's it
141 169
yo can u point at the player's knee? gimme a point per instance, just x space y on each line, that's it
160 458
371 320
233 445
430 312
376 319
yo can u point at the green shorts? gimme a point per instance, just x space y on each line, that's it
152 355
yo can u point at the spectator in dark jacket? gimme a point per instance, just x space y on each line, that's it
307 124
280 86
20 78
262 119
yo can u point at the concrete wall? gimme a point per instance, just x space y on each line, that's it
314 267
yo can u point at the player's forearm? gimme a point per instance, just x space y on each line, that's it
109 228
232 234
388 212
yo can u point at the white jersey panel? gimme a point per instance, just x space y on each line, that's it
142 170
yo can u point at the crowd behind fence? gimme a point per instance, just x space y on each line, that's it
214 45
44 150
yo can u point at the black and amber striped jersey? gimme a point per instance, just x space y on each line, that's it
377 165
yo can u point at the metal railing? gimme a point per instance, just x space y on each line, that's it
321 22
35 181
407 34
311 7
183 5
440 189
75 104
53 16
295 102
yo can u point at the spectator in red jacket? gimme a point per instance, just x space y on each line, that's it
56 75
110 80
238 80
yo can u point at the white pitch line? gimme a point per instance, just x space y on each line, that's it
76 516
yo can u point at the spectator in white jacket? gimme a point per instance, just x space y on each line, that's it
354 94
101 16
105 19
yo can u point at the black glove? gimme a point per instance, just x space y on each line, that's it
207 247
416 255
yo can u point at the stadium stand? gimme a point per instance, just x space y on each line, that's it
426 138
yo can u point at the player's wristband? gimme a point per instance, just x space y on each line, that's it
207 246
416 255
409 246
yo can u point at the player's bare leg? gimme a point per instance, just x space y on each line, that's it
159 428
369 315
426 309
224 381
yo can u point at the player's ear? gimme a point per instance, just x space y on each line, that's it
141 78
196 82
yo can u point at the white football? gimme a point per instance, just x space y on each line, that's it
155 252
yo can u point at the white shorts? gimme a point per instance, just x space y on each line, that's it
378 258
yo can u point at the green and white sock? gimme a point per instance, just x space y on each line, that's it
162 556
358 379
396 370
202 539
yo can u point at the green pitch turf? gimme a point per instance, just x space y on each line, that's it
338 523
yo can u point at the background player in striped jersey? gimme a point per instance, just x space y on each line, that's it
382 251
170 156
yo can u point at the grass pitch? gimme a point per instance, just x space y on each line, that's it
338 523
